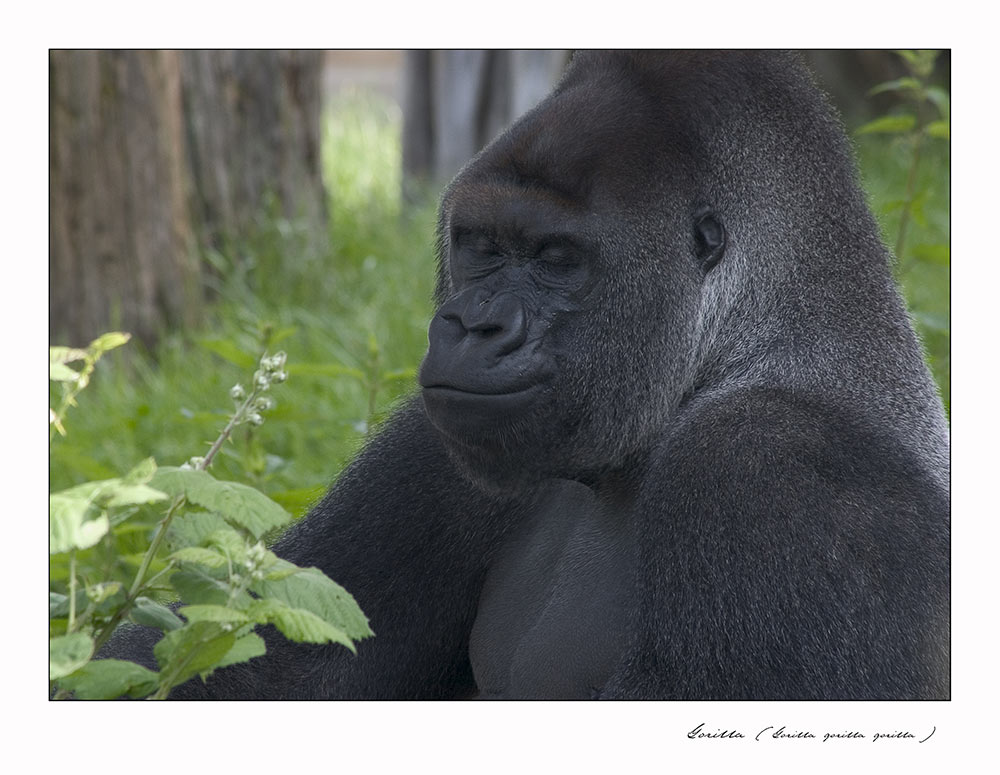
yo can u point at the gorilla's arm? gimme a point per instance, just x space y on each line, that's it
410 541
787 552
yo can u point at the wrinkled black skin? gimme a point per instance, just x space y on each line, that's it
676 438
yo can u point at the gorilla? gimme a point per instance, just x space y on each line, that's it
675 437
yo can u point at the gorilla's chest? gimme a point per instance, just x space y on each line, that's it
551 618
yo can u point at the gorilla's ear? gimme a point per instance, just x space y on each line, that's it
710 239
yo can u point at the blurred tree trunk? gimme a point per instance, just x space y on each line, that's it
120 238
253 120
158 155
455 102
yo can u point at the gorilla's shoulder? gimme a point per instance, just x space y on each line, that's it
794 444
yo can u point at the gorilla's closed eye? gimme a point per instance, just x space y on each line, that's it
710 239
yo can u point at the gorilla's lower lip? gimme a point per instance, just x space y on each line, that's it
463 410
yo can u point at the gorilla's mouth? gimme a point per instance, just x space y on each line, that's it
456 411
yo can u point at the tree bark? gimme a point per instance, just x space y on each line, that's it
158 155
120 239
253 140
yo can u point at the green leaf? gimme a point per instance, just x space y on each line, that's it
889 125
141 473
281 573
109 341
229 352
900 84
58 604
151 614
200 556
68 527
230 543
297 624
939 129
132 495
106 679
102 591
195 586
238 503
311 590
191 528
114 492
195 648
920 61
59 372
213 613
941 100
66 355
68 653
245 648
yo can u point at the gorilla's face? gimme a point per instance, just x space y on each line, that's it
571 277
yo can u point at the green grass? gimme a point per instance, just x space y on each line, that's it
351 316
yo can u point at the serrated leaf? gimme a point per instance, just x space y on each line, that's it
230 543
195 586
191 528
149 613
200 556
132 495
68 526
237 503
114 493
313 591
107 679
244 649
889 125
195 648
68 653
297 624
213 613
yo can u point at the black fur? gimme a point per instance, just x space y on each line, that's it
676 437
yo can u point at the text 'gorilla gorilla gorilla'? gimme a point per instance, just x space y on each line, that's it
675 437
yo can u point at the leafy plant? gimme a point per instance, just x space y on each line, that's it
908 177
927 116
207 550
